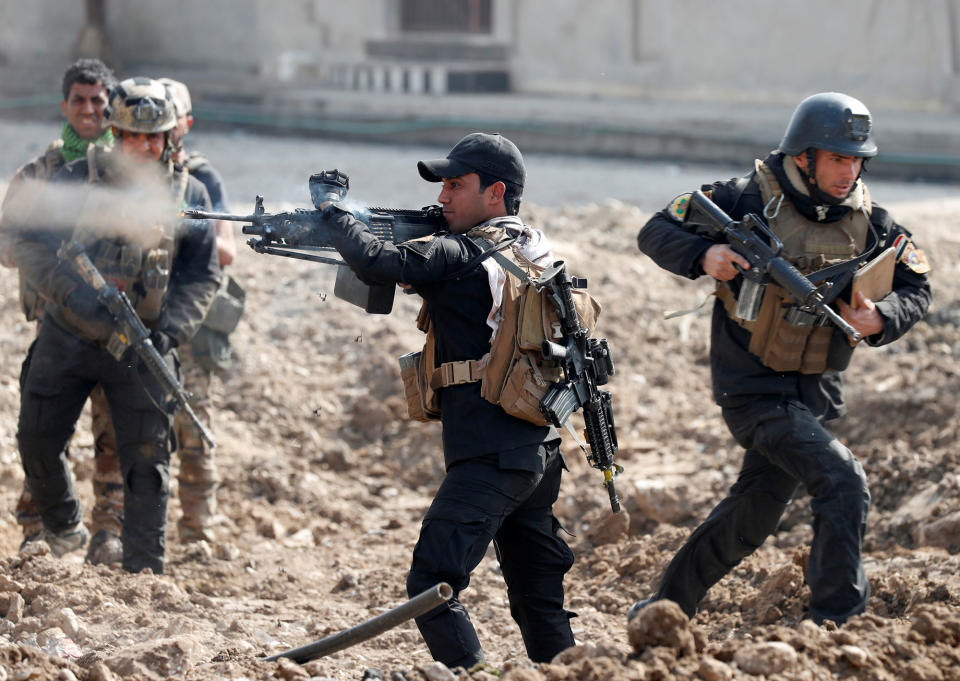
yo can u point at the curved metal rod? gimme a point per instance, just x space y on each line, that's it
416 606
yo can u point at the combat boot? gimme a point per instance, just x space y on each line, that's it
637 607
105 549
67 540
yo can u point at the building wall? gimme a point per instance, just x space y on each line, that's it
890 52
895 54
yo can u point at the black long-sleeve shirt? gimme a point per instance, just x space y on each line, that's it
737 373
458 302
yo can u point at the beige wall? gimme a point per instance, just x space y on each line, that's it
891 53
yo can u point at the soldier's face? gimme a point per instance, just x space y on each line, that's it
83 109
142 146
835 173
466 206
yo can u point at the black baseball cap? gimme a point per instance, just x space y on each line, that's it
478 152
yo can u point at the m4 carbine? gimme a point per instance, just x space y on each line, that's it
303 233
130 330
754 240
586 364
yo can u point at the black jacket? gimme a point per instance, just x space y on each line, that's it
737 373
458 303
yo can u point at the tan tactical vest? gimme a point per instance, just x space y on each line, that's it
513 374
140 269
782 336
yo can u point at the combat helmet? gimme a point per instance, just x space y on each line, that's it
140 105
831 121
179 94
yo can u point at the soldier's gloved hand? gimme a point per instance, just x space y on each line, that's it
162 341
96 318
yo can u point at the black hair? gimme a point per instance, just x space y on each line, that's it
511 197
87 72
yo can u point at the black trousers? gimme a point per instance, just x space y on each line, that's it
478 502
62 369
786 445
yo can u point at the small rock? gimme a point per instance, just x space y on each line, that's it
287 669
809 629
348 580
69 622
438 671
15 608
226 551
270 528
574 654
371 674
712 669
768 657
855 655
66 675
7 584
100 672
47 636
662 623
613 528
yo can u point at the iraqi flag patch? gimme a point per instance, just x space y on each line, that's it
911 256
678 207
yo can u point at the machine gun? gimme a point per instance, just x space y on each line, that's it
303 233
586 364
130 331
754 240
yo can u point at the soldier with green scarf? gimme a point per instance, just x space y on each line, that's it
86 84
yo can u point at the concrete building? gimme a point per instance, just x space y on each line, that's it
716 76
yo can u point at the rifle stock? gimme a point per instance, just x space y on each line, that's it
130 331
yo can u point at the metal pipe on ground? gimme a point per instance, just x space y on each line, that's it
416 606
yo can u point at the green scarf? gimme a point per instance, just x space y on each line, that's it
75 147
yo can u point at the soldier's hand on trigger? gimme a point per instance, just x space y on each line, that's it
719 262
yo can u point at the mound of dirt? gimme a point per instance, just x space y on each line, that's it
325 483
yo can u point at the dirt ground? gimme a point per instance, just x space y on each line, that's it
325 483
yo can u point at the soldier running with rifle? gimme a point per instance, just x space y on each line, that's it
794 236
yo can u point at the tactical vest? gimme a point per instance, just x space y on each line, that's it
141 270
514 373
784 337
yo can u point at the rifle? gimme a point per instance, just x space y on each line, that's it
130 331
586 365
302 233
753 239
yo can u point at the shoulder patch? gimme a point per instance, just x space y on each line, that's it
678 207
915 259
424 246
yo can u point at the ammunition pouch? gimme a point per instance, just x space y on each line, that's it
785 337
227 306
423 402
211 343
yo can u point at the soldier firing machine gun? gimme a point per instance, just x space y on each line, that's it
304 234
754 240
130 331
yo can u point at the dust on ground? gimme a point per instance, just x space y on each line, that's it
325 483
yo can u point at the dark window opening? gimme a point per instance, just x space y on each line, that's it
448 16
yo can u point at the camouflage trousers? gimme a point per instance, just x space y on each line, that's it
198 479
